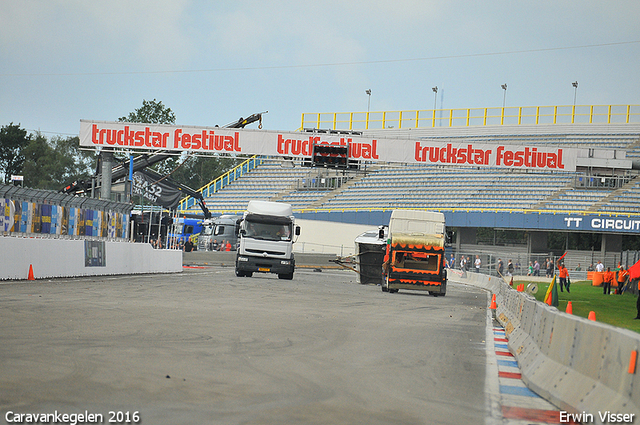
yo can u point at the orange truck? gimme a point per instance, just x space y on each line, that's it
415 256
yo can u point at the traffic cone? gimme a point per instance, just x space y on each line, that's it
592 316
493 305
31 276
569 308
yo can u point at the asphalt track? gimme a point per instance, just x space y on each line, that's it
205 346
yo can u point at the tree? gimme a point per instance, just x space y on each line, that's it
56 163
199 171
13 140
194 172
151 112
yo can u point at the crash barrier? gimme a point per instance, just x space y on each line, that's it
24 258
577 364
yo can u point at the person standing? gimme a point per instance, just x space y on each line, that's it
622 279
536 268
500 267
608 280
549 266
563 275
599 267
478 263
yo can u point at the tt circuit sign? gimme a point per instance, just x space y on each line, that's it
598 223
101 134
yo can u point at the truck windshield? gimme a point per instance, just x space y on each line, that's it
411 260
268 231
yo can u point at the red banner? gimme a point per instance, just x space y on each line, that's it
294 144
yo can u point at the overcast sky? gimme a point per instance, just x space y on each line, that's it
213 62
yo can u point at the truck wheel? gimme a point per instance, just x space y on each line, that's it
239 273
287 276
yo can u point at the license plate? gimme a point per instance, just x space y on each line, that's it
263 269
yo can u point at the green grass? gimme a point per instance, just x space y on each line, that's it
616 310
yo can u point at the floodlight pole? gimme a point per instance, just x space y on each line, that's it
435 97
504 98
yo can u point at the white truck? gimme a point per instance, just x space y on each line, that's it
266 240
219 229
415 252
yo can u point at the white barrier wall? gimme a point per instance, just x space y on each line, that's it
577 364
66 258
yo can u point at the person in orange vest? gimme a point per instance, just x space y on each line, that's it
563 274
228 246
622 279
608 280
385 263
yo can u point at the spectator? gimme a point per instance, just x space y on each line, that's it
608 280
590 268
223 244
599 267
500 267
509 268
227 247
467 264
549 267
578 268
188 246
530 273
214 245
463 263
452 261
536 268
478 263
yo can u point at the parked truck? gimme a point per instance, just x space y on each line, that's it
415 256
219 229
266 240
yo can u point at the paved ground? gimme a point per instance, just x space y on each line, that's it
207 347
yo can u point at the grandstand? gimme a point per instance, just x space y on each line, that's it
607 187
388 186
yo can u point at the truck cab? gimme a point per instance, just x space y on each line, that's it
266 240
415 256
223 228
183 229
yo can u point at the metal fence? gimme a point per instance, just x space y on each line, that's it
577 262
45 213
517 115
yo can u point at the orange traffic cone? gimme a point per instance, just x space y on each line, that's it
493 305
31 277
569 308
592 316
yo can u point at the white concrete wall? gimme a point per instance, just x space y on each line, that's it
328 237
577 364
65 258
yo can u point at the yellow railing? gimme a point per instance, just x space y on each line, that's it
512 115
217 184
